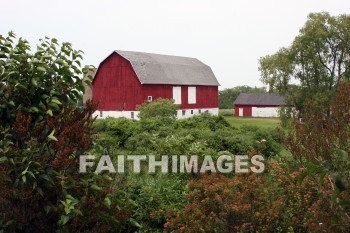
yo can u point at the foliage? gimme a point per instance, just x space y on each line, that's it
163 109
226 112
206 133
321 145
42 133
229 95
318 59
152 193
273 202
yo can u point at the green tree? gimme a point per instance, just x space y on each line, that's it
229 95
317 60
42 133
162 109
321 146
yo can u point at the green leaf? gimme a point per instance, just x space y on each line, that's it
54 100
107 202
24 179
302 176
134 223
95 187
33 109
49 112
3 159
339 181
34 82
51 137
335 194
47 209
41 68
64 219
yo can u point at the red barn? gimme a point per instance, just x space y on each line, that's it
127 79
258 105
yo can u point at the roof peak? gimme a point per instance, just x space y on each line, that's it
152 68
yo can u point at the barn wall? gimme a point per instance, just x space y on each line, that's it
247 110
156 91
116 86
258 111
206 97
265 111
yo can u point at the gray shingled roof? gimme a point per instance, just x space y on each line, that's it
164 69
260 99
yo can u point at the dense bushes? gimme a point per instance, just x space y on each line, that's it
42 133
214 133
156 197
283 199
272 202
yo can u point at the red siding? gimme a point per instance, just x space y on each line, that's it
247 110
206 96
116 88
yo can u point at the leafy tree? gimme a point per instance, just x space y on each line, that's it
42 133
162 109
314 64
229 95
321 146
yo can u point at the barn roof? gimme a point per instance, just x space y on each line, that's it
260 99
164 69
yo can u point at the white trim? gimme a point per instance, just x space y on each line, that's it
116 114
211 111
127 114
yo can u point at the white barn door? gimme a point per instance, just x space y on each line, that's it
177 94
192 95
240 111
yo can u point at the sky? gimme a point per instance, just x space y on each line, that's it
228 35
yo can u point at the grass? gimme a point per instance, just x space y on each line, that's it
226 112
260 122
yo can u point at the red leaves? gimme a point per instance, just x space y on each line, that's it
249 203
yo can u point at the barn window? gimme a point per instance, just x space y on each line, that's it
199 111
191 111
149 98
132 115
192 95
101 114
183 112
177 94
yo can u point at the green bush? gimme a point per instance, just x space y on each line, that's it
151 193
163 109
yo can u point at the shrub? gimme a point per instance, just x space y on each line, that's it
42 133
163 109
250 203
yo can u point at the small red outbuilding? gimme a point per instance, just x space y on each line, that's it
258 104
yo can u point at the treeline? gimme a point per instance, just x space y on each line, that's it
229 95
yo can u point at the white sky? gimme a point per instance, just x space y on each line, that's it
228 35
